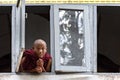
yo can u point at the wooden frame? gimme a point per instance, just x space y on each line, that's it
13 23
21 38
87 49
18 41
13 38
16 34
93 33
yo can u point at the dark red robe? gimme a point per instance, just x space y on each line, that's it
31 58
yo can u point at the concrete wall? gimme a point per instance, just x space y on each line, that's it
60 77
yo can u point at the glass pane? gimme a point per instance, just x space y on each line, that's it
71 37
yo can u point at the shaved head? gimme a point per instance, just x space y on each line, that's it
39 42
40 47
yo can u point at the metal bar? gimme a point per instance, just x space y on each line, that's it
17 34
13 40
52 39
95 38
23 24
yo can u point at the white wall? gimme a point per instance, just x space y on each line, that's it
60 77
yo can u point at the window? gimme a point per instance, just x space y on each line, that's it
37 25
108 38
72 38
66 30
5 38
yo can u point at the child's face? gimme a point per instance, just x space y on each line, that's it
40 49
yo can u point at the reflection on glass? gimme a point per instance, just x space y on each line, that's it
71 37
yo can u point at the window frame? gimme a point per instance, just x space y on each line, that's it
53 35
13 35
14 59
15 49
20 25
18 36
22 32
87 35
93 32
95 37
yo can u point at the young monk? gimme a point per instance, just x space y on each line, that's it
36 59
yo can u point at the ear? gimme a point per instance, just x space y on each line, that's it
45 50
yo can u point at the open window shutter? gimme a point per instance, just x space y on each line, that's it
20 31
72 38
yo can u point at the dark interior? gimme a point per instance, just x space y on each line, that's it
108 24
5 38
37 25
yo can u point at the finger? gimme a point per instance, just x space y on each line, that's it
39 69
40 59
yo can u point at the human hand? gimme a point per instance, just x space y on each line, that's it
40 62
38 69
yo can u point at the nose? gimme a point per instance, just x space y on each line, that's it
40 50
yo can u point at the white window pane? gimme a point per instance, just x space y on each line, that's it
71 37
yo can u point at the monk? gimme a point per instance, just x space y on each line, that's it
36 59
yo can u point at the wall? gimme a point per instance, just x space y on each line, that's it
60 77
